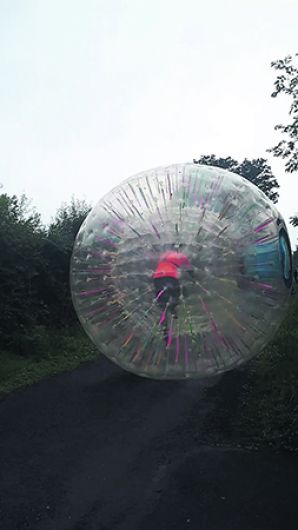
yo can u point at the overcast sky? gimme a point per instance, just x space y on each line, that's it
92 92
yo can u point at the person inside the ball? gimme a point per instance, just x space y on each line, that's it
166 279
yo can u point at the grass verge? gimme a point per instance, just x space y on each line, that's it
64 352
268 415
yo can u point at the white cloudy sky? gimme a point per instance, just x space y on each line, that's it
92 92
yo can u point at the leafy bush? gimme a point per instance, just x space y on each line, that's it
64 350
34 274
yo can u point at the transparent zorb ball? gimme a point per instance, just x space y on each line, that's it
182 271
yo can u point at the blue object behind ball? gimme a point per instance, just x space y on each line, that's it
222 312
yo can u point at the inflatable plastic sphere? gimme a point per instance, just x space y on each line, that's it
182 271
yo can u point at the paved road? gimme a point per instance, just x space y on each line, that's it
100 449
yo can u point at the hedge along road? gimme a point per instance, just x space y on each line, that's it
100 449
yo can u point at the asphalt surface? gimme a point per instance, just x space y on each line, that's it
100 449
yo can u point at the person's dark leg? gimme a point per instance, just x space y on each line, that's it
161 294
174 292
163 287
165 330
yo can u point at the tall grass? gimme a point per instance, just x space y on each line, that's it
269 412
47 353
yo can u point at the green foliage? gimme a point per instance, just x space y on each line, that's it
256 171
60 351
66 224
270 400
287 83
21 236
31 342
34 273
57 251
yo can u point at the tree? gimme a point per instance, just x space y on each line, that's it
287 83
57 251
256 171
34 272
67 222
21 235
